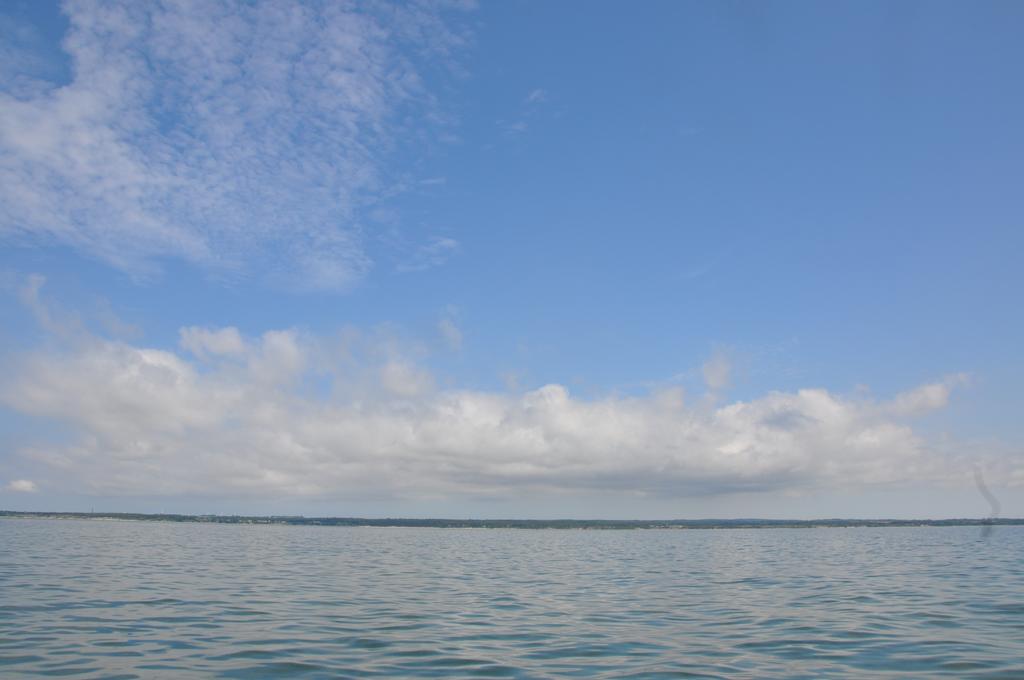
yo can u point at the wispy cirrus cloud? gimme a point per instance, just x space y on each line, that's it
449 330
528 109
433 253
243 137
536 96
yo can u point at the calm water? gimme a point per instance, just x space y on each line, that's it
122 599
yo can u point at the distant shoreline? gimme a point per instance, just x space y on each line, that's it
607 524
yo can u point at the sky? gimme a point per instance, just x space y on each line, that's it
512 259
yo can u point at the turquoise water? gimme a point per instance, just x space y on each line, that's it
124 599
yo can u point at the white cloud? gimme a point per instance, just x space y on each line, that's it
403 379
241 137
286 416
431 254
537 96
528 109
22 486
516 127
23 63
717 371
450 333
203 342
28 295
926 397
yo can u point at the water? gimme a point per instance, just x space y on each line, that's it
123 599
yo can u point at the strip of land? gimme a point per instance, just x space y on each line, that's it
513 523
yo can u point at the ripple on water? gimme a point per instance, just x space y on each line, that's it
126 600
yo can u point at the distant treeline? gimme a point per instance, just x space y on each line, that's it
514 523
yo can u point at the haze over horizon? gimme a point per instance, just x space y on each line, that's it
548 260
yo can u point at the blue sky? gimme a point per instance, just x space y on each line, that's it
533 259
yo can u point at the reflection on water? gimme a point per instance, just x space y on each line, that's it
123 599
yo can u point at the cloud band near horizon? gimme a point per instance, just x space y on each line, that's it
289 414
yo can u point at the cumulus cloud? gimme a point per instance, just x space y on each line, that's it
203 342
404 379
283 414
239 136
22 486
926 397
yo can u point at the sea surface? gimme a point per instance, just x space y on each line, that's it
117 599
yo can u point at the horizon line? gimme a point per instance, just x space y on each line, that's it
509 522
